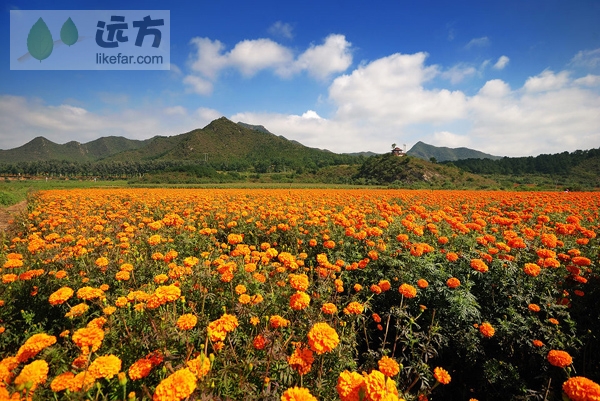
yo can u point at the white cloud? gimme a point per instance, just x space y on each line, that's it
391 89
281 29
587 58
501 63
478 42
450 140
547 81
63 123
252 56
311 114
588 80
458 73
198 85
320 61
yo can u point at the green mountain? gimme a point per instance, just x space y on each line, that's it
223 143
441 154
42 149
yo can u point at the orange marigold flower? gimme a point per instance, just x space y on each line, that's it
259 342
376 318
441 375
88 293
240 289
562 359
218 329
106 366
452 256
375 289
322 338
385 285
486 330
379 388
244 299
35 373
109 310
187 321
88 339
297 394
62 382
479 265
175 387
453 282
77 310
537 343
388 366
167 293
349 385
34 345
553 321
301 360
329 308
199 366
531 269
407 290
580 388
581 261
533 307
422 283
354 308
277 321
60 296
300 300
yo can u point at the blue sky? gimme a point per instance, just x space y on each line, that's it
512 78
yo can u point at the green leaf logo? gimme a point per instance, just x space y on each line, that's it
68 32
39 40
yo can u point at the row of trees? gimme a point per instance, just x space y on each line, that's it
560 163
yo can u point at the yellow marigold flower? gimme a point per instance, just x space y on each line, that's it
349 386
9 278
154 240
254 320
199 366
34 345
121 302
161 278
77 310
354 308
486 330
101 262
407 290
35 373
244 299
106 366
168 293
88 293
187 321
301 360
62 382
82 381
13 263
297 394
122 275
580 388
109 310
322 338
240 289
175 387
388 366
441 375
300 300
562 359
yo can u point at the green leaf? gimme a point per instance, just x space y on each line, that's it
39 40
69 33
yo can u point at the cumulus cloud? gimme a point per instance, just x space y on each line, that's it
450 140
478 42
252 56
281 29
501 63
547 81
31 118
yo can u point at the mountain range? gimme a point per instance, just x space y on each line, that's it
221 141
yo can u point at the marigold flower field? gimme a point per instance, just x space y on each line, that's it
312 294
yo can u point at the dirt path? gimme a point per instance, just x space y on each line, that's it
8 213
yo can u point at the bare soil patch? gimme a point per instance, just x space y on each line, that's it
7 214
